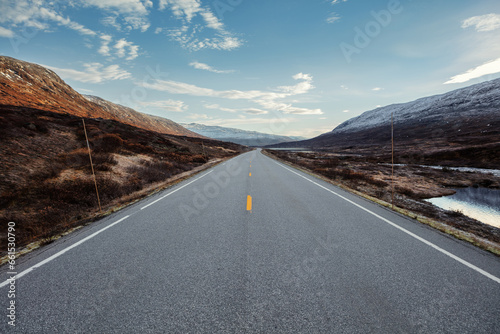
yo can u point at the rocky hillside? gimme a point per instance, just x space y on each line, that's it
459 128
242 137
28 85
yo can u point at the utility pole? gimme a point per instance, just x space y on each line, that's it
91 165
392 154
203 146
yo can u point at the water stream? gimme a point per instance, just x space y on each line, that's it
482 204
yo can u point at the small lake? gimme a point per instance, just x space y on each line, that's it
479 203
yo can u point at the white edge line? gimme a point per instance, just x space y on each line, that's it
56 255
462 261
50 258
170 193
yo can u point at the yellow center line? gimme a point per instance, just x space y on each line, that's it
250 174
249 203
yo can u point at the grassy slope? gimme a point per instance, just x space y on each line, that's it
46 184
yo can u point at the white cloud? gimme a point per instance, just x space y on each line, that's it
199 116
84 91
122 6
202 66
6 32
255 111
332 18
271 122
121 49
482 23
133 13
218 107
377 89
111 21
267 99
301 111
45 13
477 72
31 13
300 88
93 73
168 105
335 2
190 34
105 50
250 111
346 110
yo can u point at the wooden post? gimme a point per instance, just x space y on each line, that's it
392 154
91 165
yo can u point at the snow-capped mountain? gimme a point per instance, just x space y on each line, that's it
461 127
249 138
476 100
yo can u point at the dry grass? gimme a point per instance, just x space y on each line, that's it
46 181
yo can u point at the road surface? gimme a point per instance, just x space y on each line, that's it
254 246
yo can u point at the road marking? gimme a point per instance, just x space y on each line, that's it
56 255
462 261
249 203
250 174
170 193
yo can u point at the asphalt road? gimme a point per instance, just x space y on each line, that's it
307 258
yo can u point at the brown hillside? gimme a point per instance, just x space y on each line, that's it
28 85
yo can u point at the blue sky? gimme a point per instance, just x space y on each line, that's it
279 66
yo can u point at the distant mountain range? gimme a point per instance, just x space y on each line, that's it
28 85
242 137
464 123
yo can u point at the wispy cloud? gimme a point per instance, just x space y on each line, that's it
105 50
37 14
121 48
132 13
377 89
483 23
477 72
51 15
168 105
199 117
124 48
93 73
267 99
218 107
206 67
250 111
6 32
255 111
243 120
334 17
196 18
